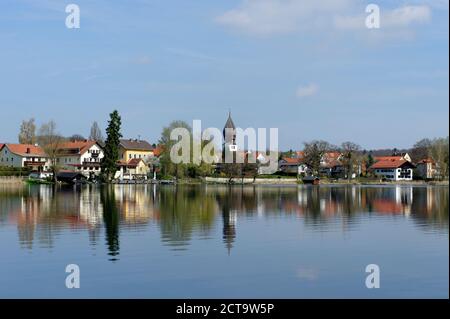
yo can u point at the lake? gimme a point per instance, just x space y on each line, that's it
211 241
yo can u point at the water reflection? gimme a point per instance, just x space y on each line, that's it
182 213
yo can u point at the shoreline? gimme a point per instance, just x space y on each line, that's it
248 181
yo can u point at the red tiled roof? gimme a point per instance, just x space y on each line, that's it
332 155
392 163
1 145
424 161
387 158
26 150
157 151
79 147
292 160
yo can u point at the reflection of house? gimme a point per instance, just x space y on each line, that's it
427 168
24 156
83 156
393 169
135 149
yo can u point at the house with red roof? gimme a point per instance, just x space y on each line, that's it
393 169
24 156
293 165
427 168
81 156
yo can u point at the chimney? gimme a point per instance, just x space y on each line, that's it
28 150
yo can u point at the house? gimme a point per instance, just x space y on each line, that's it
135 149
71 177
81 156
393 169
24 156
427 169
401 156
291 165
135 168
331 164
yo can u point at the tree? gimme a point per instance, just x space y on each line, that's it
349 157
96 133
421 150
314 152
169 168
77 138
50 141
111 149
439 152
370 161
27 134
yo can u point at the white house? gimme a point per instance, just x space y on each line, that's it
393 169
24 156
82 156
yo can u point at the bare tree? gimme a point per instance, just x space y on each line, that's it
96 133
350 157
27 134
50 142
314 152
440 153
77 138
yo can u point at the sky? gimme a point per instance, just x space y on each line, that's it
310 68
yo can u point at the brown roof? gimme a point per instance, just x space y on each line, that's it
391 163
1 145
26 150
424 161
136 145
292 160
332 163
77 147
387 158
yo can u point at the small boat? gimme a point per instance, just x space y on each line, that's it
312 180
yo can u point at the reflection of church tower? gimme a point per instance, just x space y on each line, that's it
229 134
229 229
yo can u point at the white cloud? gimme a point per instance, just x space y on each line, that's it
267 17
271 17
307 90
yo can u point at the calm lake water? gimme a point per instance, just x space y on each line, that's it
219 241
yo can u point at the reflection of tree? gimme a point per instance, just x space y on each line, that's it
184 209
111 220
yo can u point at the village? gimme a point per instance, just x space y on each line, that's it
79 160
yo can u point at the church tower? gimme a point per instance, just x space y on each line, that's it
229 134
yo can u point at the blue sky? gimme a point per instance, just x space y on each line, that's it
310 68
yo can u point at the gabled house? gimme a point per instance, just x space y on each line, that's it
401 156
82 156
135 149
290 165
135 168
24 156
393 169
427 168
331 164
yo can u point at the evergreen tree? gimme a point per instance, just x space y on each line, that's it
111 150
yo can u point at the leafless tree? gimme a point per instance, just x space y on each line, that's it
50 140
27 133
